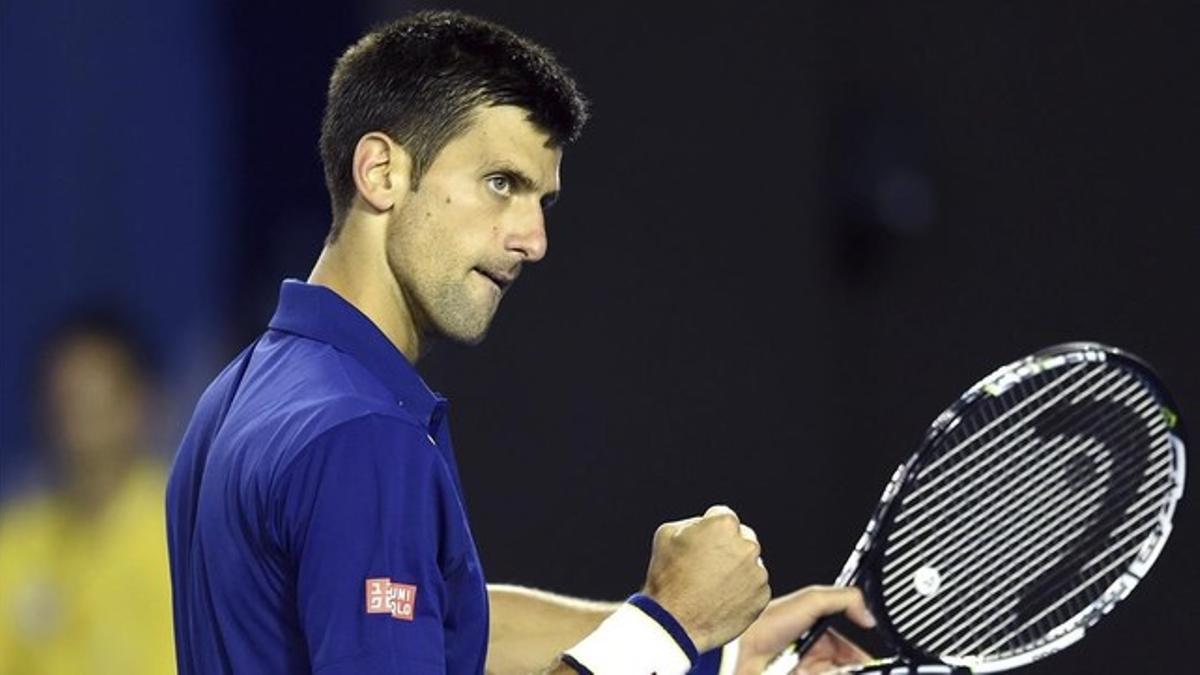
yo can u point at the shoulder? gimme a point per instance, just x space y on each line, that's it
293 372
358 476
352 428
300 394
388 440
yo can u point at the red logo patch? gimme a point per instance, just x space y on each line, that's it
386 597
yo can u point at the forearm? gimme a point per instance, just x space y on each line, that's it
529 628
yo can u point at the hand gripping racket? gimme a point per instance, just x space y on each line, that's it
1034 504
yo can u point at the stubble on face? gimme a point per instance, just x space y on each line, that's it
433 281
453 245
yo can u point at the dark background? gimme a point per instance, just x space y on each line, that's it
791 235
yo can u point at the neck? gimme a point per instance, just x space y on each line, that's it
354 269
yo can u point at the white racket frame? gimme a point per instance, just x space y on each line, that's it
1074 628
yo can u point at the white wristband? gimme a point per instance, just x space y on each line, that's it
729 656
629 642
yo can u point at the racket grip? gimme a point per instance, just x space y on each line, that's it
810 638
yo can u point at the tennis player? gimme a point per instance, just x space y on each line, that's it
316 519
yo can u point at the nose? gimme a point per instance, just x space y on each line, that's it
528 236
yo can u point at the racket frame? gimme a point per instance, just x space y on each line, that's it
866 556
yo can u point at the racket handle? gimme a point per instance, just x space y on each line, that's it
810 638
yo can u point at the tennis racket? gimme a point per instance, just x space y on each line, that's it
1034 504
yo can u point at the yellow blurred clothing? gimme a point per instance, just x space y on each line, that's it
87 595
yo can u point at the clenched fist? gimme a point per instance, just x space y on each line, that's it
706 572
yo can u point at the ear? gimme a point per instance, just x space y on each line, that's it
381 171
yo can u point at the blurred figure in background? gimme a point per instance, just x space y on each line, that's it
84 582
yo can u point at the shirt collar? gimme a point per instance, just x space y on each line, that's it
319 313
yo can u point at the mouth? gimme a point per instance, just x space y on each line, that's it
500 279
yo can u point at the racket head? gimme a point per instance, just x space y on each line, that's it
1034 504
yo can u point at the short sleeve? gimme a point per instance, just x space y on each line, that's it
362 516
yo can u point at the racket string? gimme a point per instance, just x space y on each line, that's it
927 469
902 612
1006 544
1000 607
995 503
1089 583
914 625
1114 481
1019 471
912 499
1122 547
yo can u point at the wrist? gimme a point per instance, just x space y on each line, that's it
723 661
641 636
669 622
696 632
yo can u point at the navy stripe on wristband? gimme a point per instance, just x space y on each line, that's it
669 623
709 663
579 667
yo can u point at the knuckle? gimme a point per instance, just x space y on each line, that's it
721 510
751 548
727 521
813 592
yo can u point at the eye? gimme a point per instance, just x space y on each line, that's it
500 184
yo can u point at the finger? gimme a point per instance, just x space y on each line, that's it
795 614
833 650
748 533
719 510
676 526
814 668
845 652
821 650
859 613
824 649
826 600
824 668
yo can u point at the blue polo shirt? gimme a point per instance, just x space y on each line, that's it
315 516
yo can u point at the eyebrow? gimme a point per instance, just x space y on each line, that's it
526 183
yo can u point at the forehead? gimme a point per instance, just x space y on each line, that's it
503 135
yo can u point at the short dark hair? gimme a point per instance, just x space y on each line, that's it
99 320
105 321
418 78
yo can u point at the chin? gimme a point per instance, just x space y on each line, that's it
468 336
459 320
468 340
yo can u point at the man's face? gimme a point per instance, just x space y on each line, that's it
457 243
95 403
